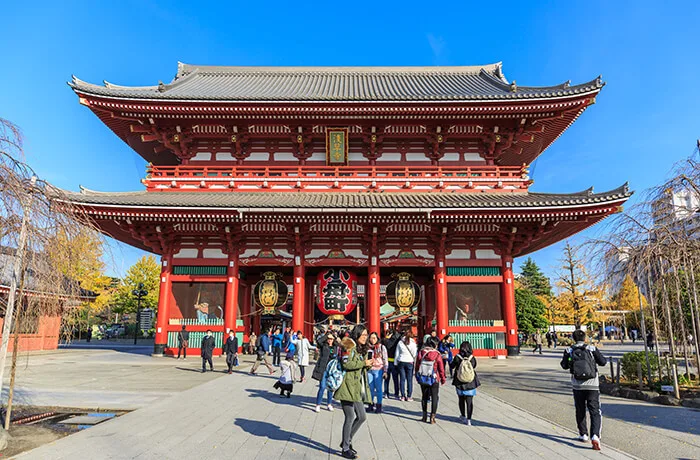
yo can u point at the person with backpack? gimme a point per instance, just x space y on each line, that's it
582 361
430 374
380 364
465 381
404 358
261 355
353 392
326 345
390 342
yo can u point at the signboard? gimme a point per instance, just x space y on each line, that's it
337 146
668 388
146 319
566 328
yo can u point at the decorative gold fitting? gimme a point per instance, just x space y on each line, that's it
439 138
176 138
234 139
497 138
374 138
300 138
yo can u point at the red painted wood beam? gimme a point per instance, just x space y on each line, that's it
231 299
163 315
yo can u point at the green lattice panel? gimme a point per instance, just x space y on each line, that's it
473 271
486 341
199 270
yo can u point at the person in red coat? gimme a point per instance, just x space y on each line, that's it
430 377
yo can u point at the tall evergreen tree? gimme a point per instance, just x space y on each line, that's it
533 279
530 311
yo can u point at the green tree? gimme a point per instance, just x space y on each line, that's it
147 271
534 280
530 311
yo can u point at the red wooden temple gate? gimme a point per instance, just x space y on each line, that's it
373 170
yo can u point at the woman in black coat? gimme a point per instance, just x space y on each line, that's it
326 345
465 390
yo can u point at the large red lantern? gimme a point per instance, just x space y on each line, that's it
270 293
337 291
403 293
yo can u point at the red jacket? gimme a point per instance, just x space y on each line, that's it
432 355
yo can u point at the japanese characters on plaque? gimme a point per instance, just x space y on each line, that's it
336 146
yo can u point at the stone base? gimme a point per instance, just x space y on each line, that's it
159 349
512 351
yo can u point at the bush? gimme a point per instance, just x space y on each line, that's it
628 365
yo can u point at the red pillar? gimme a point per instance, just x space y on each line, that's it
441 314
163 316
231 299
309 321
373 298
247 328
508 305
299 300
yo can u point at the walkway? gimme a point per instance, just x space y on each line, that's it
242 414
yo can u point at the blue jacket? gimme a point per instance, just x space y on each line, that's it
277 340
265 342
445 349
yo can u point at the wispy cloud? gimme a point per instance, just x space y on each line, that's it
438 45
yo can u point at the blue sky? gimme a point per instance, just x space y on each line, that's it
646 118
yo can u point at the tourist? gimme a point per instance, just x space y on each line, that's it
555 339
650 340
326 345
391 341
353 392
537 337
582 361
276 347
430 373
89 334
266 341
183 341
465 381
375 375
252 340
303 350
445 348
261 355
633 333
548 336
286 337
287 377
404 358
231 350
207 351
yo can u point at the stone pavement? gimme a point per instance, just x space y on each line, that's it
243 415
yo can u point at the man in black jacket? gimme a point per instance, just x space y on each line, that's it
582 361
391 341
183 341
207 351
231 350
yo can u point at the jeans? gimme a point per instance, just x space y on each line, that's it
406 379
355 416
588 399
374 378
302 371
430 392
393 372
323 386
276 352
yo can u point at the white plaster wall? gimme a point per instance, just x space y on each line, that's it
202 156
214 253
459 254
186 253
224 156
486 254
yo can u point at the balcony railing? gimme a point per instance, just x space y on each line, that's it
341 178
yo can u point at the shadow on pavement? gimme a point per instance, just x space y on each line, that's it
680 419
275 433
145 349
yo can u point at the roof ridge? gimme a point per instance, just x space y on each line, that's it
494 69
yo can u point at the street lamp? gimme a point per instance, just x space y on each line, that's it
139 293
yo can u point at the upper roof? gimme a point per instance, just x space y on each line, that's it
352 84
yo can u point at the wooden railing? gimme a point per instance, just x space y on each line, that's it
327 178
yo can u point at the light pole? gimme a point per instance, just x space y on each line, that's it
139 293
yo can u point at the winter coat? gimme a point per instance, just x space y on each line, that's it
390 344
277 340
456 361
327 353
303 350
265 343
380 359
406 353
445 350
207 346
231 345
183 336
354 387
431 354
289 372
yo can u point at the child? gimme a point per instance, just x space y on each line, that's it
286 380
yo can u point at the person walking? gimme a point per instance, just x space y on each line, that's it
375 375
303 350
183 342
555 339
465 380
582 361
252 340
445 348
276 347
266 341
537 337
207 351
430 374
326 345
353 392
650 340
261 355
405 357
391 341
288 375
231 350
548 336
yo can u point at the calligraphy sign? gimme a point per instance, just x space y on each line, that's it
336 146
337 290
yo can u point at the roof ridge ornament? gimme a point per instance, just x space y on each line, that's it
513 87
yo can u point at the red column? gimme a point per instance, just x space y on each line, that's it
508 305
163 316
309 317
299 300
246 313
441 296
373 299
231 299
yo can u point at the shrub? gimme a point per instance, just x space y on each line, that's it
628 365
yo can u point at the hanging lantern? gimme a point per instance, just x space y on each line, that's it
270 293
337 291
403 293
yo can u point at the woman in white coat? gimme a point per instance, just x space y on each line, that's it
304 348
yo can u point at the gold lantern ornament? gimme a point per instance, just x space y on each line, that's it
403 293
270 293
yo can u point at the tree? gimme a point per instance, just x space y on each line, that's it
579 297
534 280
627 298
530 311
146 270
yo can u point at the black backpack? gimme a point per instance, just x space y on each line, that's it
583 365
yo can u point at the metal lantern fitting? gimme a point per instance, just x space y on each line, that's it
403 293
270 293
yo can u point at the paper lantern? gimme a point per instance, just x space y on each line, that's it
270 293
403 293
337 291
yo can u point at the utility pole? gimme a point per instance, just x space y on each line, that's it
139 293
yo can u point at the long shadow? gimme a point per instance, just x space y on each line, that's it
275 433
144 349
682 419
273 395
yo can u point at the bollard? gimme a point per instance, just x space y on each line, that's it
639 375
676 390
612 372
617 371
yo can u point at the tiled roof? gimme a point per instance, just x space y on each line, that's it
344 200
309 84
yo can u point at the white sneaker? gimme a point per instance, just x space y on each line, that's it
595 441
583 438
330 407
469 422
317 409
